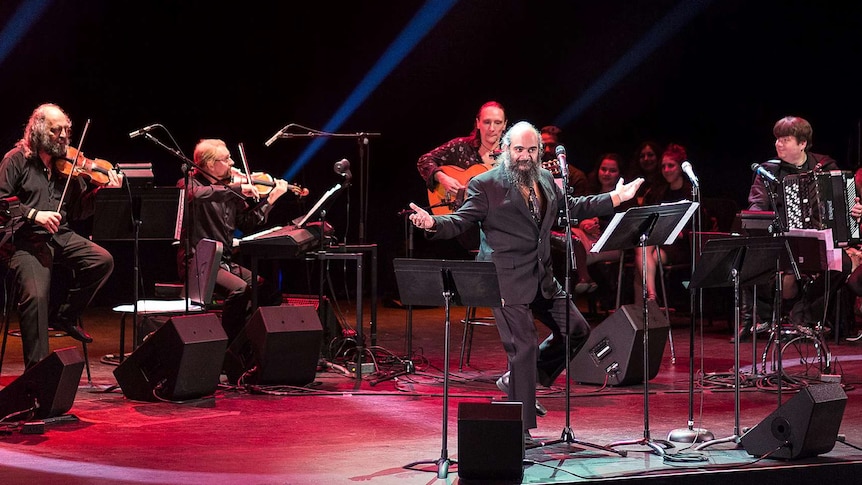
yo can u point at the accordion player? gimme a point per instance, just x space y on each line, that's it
822 200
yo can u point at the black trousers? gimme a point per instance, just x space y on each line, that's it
528 359
32 269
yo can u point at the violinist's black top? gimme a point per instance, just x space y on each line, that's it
217 211
28 179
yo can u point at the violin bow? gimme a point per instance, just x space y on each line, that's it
244 162
78 156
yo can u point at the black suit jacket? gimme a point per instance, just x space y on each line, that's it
519 248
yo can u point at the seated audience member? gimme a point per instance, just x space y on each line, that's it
676 187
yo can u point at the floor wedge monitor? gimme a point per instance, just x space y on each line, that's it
279 345
47 389
806 425
613 354
181 360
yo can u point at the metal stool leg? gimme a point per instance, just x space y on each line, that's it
5 338
666 312
470 321
471 312
620 278
86 356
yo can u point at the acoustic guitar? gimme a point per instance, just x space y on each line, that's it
443 203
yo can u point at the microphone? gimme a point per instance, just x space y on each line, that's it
560 151
686 168
343 168
274 137
765 174
561 155
143 130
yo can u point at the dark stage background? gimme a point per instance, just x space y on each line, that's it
715 83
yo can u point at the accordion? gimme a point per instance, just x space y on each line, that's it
822 200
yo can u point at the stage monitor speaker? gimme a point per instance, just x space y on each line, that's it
51 384
278 345
806 425
331 327
490 442
181 360
613 354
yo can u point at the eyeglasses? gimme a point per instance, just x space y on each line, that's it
57 130
223 160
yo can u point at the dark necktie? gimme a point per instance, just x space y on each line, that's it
535 207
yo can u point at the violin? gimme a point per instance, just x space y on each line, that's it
75 164
264 182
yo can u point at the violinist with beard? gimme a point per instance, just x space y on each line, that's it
48 200
515 205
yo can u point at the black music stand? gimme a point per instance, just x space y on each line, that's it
435 282
738 261
151 215
650 225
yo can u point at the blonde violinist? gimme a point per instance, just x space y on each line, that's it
221 200
49 197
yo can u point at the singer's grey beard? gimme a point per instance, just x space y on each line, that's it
524 173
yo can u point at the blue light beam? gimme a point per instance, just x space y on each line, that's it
678 17
416 29
26 15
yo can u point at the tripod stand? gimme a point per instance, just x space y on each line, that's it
435 282
642 227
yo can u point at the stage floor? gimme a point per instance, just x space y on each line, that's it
343 430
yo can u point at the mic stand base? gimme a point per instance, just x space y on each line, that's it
568 437
690 435
657 446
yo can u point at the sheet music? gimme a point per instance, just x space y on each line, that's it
683 221
178 228
833 254
261 233
329 193
615 222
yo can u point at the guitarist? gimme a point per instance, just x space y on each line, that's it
447 168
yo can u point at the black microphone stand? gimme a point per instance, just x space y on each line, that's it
188 213
409 365
568 436
690 434
779 229
362 139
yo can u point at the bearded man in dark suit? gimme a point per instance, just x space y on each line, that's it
515 206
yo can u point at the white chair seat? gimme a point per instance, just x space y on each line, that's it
159 306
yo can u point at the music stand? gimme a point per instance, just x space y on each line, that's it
151 214
435 282
650 225
738 261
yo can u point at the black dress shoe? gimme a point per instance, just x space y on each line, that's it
74 331
503 385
